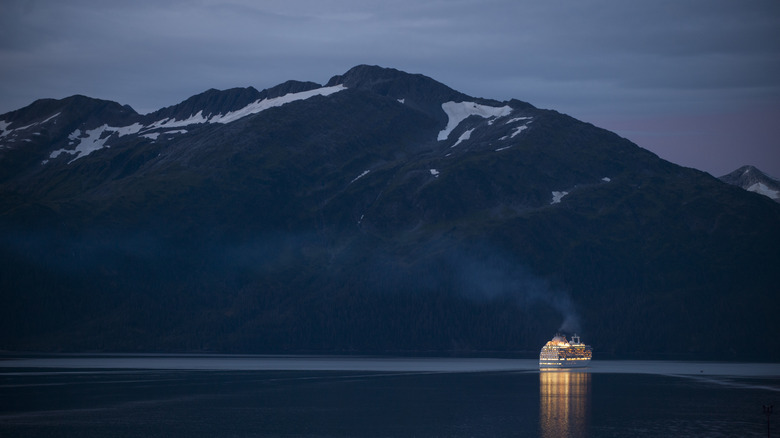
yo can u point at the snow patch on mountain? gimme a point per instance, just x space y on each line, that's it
365 172
93 140
23 128
465 136
518 119
460 111
4 128
126 130
194 119
557 196
253 108
762 189
262 105
50 118
4 131
155 135
518 130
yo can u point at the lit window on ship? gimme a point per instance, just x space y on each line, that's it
560 353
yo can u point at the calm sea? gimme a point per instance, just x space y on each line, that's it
316 396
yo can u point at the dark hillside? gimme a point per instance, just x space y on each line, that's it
355 218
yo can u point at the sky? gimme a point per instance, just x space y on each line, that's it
695 81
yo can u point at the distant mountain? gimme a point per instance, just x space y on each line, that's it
382 212
753 180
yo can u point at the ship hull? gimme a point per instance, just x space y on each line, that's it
563 363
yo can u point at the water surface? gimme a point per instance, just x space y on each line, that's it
320 396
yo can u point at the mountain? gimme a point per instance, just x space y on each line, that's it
382 212
753 180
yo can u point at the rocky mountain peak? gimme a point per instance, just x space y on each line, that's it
414 90
752 179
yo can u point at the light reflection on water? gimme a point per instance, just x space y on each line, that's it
564 403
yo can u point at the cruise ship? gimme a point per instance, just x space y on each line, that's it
560 353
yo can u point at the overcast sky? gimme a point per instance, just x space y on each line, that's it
696 82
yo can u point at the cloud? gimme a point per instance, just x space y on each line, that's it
588 59
659 45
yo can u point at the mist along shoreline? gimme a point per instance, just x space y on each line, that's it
451 354
241 362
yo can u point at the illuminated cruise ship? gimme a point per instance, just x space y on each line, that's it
560 353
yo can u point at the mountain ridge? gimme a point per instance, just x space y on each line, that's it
380 212
753 180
